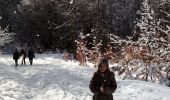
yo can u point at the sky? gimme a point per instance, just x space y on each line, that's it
52 78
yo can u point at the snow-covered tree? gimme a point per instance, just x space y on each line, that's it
5 37
148 57
81 49
152 42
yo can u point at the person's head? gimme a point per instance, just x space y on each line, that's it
16 50
103 64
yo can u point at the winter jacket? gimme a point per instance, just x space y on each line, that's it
108 82
31 54
23 53
105 80
16 55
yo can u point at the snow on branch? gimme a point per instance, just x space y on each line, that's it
62 25
5 37
168 14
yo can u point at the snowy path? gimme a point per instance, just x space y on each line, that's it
53 79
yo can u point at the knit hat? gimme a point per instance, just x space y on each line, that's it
103 60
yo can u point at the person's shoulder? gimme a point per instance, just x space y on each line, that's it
95 74
111 73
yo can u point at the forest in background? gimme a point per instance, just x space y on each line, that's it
51 24
35 22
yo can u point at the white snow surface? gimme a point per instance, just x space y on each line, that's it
51 78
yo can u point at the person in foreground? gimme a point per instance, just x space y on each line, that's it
103 83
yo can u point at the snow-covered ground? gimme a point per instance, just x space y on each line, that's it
51 78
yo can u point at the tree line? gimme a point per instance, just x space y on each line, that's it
54 24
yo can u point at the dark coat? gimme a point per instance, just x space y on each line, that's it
109 83
16 55
23 53
31 54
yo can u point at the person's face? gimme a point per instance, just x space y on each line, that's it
102 67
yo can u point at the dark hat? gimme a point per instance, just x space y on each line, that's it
103 60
